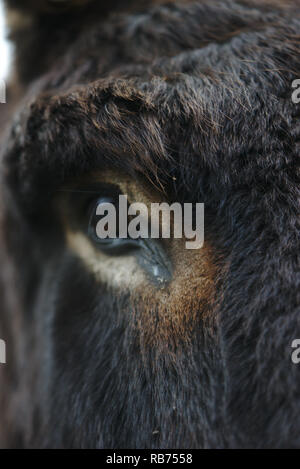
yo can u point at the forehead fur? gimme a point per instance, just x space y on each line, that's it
178 84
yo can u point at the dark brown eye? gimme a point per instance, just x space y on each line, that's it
104 229
89 209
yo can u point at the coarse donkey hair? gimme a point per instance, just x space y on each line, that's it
187 101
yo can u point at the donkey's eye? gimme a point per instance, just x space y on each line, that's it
108 229
103 227
102 213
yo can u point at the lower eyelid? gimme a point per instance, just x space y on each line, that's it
119 272
117 247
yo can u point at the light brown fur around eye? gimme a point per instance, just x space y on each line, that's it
164 314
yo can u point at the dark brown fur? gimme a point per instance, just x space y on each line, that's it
191 99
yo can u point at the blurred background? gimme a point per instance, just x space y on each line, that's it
4 46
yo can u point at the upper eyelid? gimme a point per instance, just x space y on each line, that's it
89 186
79 192
73 195
75 202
